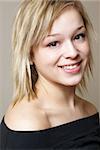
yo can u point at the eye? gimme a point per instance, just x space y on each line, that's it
80 36
53 44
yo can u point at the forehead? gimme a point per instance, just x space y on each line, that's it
69 20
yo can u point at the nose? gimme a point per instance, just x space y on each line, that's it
69 50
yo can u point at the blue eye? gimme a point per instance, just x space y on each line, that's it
80 36
53 44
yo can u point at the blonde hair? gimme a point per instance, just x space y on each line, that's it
32 23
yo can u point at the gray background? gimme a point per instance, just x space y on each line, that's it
8 10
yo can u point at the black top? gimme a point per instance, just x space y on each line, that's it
82 134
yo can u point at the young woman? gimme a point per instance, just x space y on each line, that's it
52 56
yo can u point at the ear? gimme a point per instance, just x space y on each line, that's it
31 60
31 63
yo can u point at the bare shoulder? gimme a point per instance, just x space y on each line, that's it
25 116
88 107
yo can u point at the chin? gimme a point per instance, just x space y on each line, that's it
72 81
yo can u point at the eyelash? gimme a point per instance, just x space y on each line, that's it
51 44
82 35
77 37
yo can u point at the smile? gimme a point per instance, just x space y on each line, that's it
72 68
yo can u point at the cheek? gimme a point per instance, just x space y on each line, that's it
44 59
49 58
85 49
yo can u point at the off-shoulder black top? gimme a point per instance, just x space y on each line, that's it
82 134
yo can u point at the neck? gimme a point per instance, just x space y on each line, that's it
52 95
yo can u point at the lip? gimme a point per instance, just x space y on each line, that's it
79 62
73 70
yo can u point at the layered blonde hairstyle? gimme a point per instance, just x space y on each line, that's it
32 24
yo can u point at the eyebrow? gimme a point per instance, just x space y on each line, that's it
79 28
57 34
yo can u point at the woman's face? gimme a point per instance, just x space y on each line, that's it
62 56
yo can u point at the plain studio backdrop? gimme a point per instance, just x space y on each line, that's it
8 9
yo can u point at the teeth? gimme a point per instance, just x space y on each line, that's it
70 67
